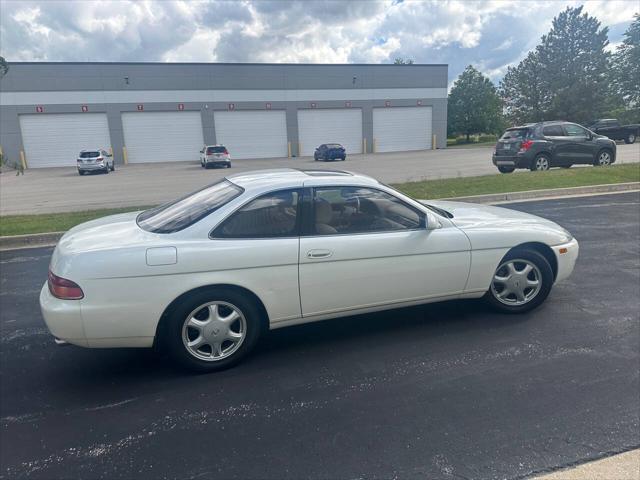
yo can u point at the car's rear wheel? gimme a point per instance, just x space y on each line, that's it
506 169
604 158
113 166
521 282
81 172
213 330
631 138
541 163
343 158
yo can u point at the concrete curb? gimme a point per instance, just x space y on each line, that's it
548 193
15 242
49 239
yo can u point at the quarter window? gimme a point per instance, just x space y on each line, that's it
271 215
347 210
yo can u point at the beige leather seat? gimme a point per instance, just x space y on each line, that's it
324 215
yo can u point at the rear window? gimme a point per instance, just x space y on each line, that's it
515 134
334 145
179 214
211 150
89 154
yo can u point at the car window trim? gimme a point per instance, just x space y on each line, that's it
298 228
310 230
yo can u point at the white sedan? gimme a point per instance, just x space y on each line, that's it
205 275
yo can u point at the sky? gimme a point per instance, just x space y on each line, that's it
491 35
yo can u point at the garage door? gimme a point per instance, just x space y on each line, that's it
343 126
54 140
252 134
398 129
162 136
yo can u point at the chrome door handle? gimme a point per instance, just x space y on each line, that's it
319 253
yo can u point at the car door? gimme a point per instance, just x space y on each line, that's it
580 144
561 151
365 248
260 242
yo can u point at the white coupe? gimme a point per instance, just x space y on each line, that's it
205 275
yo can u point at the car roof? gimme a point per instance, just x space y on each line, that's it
292 178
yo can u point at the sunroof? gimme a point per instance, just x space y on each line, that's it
326 173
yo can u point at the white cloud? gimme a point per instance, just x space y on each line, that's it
489 34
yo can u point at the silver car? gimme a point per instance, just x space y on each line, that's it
96 160
215 155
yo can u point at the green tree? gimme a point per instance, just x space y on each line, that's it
4 67
474 105
523 91
574 66
626 65
402 61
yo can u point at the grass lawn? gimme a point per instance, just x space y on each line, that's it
53 222
519 182
452 187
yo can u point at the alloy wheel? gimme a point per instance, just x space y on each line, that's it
542 163
214 331
516 282
604 159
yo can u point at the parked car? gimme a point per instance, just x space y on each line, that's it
330 151
204 276
96 160
612 128
540 146
215 155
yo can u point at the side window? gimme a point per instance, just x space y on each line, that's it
345 210
553 131
575 130
271 215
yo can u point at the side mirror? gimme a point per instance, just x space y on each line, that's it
431 221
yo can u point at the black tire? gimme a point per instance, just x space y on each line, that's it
229 165
343 158
106 170
631 138
600 158
81 173
173 332
506 169
113 166
546 278
538 163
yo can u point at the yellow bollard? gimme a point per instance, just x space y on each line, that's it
375 146
433 142
289 149
23 160
299 149
364 145
124 155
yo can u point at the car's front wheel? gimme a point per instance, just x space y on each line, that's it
521 282
631 138
541 163
604 158
213 330
506 169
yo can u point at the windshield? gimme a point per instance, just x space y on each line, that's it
334 145
181 213
515 134
89 154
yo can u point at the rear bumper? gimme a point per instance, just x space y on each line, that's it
63 318
566 255
515 161
88 167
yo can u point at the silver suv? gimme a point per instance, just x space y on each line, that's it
97 160
215 155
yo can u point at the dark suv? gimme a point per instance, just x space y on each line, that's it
330 151
540 146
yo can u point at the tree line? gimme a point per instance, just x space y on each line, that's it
570 75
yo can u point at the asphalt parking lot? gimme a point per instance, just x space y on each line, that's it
51 190
442 391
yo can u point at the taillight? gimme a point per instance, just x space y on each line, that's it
526 145
63 288
226 152
99 159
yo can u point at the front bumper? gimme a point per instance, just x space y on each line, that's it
566 255
63 318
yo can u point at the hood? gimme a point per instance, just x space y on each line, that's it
501 226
